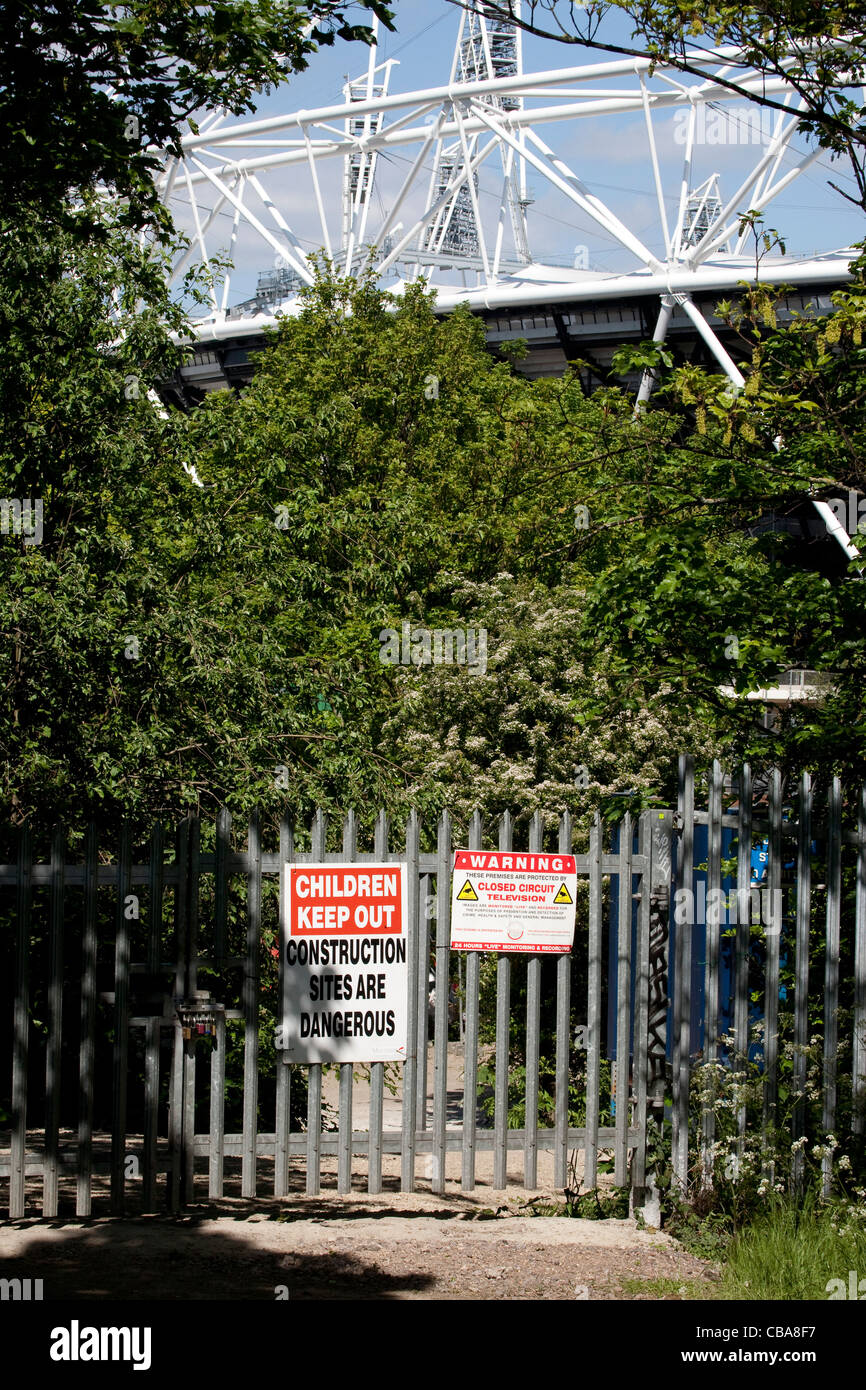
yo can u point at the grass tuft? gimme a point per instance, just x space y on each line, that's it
794 1249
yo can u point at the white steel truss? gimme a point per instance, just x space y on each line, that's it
259 179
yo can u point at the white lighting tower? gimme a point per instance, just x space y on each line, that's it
359 167
703 206
487 47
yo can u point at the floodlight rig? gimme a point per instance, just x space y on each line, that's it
359 166
487 47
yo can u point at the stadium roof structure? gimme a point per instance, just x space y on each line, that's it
392 182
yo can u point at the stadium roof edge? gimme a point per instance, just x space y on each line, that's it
516 291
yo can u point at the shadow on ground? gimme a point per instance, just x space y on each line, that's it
160 1258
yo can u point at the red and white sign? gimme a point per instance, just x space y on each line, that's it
509 900
344 956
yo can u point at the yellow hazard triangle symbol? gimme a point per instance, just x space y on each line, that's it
468 894
563 896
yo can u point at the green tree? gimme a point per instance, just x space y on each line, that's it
172 645
88 90
117 620
424 484
117 623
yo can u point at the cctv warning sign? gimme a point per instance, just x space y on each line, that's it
345 971
510 901
467 893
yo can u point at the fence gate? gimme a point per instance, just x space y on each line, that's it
144 994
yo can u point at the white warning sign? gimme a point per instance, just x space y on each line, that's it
504 900
345 970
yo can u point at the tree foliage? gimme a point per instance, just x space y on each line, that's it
170 645
115 628
692 593
89 90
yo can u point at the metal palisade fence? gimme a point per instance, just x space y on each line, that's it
142 985
768 947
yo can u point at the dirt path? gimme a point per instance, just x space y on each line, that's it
419 1248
